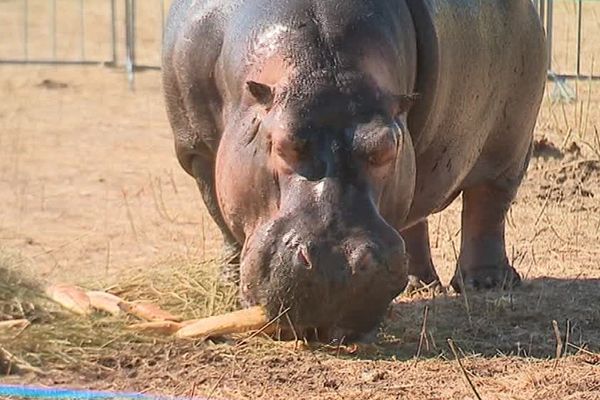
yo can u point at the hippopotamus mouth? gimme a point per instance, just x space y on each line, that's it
332 264
338 286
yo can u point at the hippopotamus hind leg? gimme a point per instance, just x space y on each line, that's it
483 263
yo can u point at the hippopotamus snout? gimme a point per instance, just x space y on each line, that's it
333 267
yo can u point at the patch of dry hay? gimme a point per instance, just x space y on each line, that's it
192 290
58 342
20 293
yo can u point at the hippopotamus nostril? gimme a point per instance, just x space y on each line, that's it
246 288
363 260
303 257
290 239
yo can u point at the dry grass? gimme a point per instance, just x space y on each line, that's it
59 342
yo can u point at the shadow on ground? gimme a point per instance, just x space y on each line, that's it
517 323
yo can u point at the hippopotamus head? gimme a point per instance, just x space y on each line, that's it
309 176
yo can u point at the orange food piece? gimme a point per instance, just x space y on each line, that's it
105 301
14 324
148 311
249 319
70 297
157 327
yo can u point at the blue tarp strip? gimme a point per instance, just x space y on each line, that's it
33 392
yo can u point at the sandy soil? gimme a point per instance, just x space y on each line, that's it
90 189
87 193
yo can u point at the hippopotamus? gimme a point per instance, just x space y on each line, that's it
322 134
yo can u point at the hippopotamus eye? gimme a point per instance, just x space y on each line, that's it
291 149
378 148
373 160
381 158
402 104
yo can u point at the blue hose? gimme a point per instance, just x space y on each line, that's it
33 392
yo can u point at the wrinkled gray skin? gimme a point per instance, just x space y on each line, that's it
297 120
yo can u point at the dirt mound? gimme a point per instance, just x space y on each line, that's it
580 178
544 148
52 84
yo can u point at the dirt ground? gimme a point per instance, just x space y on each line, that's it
90 188
91 191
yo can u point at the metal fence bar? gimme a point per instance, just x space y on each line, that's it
82 30
579 27
549 29
32 61
25 29
162 19
137 66
113 31
53 28
546 12
552 77
130 41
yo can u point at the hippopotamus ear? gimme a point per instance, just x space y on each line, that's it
261 92
404 102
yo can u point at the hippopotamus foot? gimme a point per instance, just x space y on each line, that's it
421 272
482 263
486 277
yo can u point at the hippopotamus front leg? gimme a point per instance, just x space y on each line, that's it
420 268
203 171
483 263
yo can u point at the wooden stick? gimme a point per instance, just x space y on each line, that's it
559 343
464 371
423 335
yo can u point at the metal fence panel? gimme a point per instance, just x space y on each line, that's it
572 27
56 32
89 31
